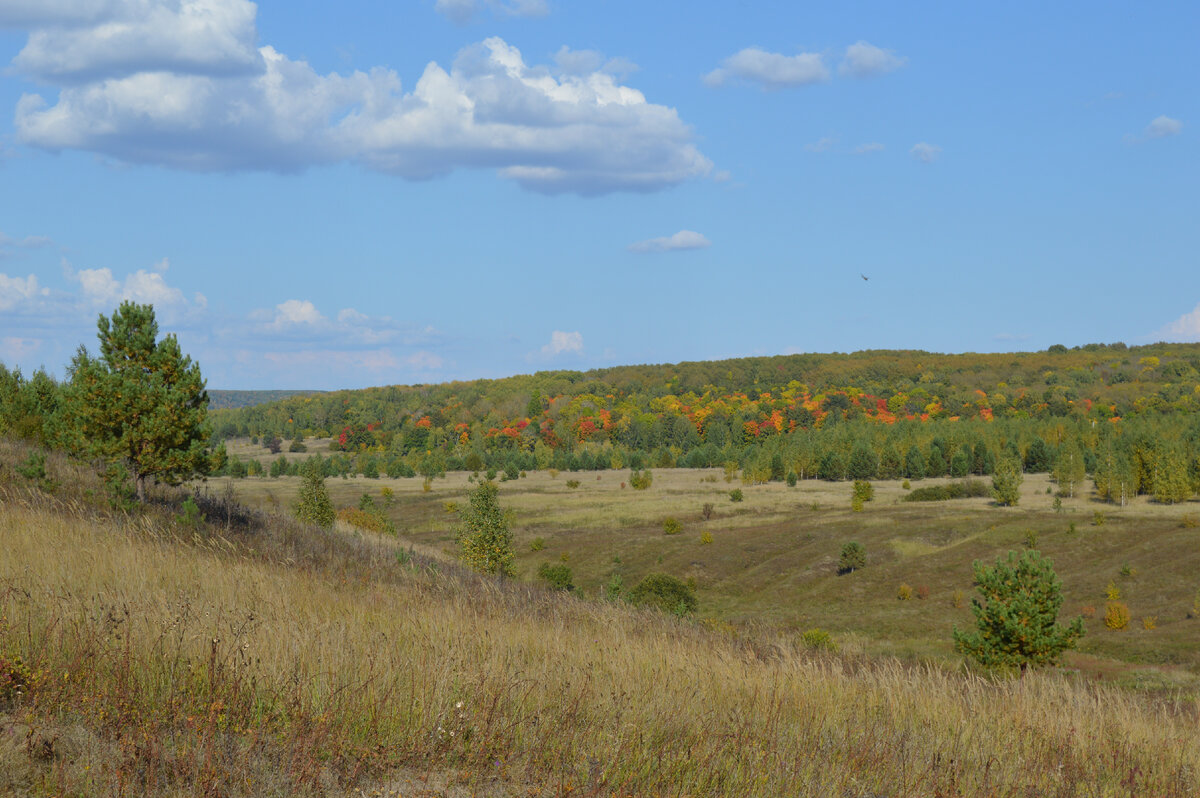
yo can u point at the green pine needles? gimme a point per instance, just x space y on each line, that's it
1016 615
315 506
484 538
141 403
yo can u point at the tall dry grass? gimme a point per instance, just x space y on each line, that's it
153 657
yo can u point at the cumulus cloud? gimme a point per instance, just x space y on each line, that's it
200 37
101 289
864 60
1162 127
684 239
178 83
563 343
770 70
925 152
1186 328
15 291
460 12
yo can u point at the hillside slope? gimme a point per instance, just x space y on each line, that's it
155 653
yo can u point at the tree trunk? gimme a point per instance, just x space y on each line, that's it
140 481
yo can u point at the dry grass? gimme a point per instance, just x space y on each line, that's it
269 659
773 557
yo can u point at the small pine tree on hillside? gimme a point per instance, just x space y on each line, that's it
1016 616
1006 482
315 506
484 537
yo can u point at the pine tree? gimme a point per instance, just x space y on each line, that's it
914 463
1017 619
484 537
864 463
1006 482
315 507
142 402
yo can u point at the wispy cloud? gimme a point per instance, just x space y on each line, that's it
925 152
770 70
864 60
684 239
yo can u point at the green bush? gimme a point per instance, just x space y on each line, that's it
818 638
573 483
864 491
537 544
791 479
671 526
640 480
736 495
34 466
967 489
854 556
665 593
190 514
557 577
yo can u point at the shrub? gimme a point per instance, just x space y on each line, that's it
791 479
1112 592
297 445
904 593
484 537
1087 611
922 592
665 593
853 557
671 526
706 538
557 577
614 587
1127 570
537 544
706 512
1016 616
553 472
906 485
1031 539
641 480
34 467
314 506
365 519
490 474
1097 518
1116 615
863 490
736 495
958 599
1150 622
967 489
1006 483
818 638
190 514
450 507
573 483
512 472
1189 521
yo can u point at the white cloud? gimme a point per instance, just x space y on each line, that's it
1185 328
177 83
821 145
684 239
162 265
925 152
460 12
771 70
864 60
296 311
101 288
8 243
864 149
17 348
1163 126
16 291
563 343
202 37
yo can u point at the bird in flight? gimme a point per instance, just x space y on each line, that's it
865 277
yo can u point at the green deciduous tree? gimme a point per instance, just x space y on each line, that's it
314 507
142 402
484 536
1069 469
1016 614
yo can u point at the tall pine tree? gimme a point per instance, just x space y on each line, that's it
141 403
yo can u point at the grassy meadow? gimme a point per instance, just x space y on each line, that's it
773 557
149 653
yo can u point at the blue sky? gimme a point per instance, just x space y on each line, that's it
325 195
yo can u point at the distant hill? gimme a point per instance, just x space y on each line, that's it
231 400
